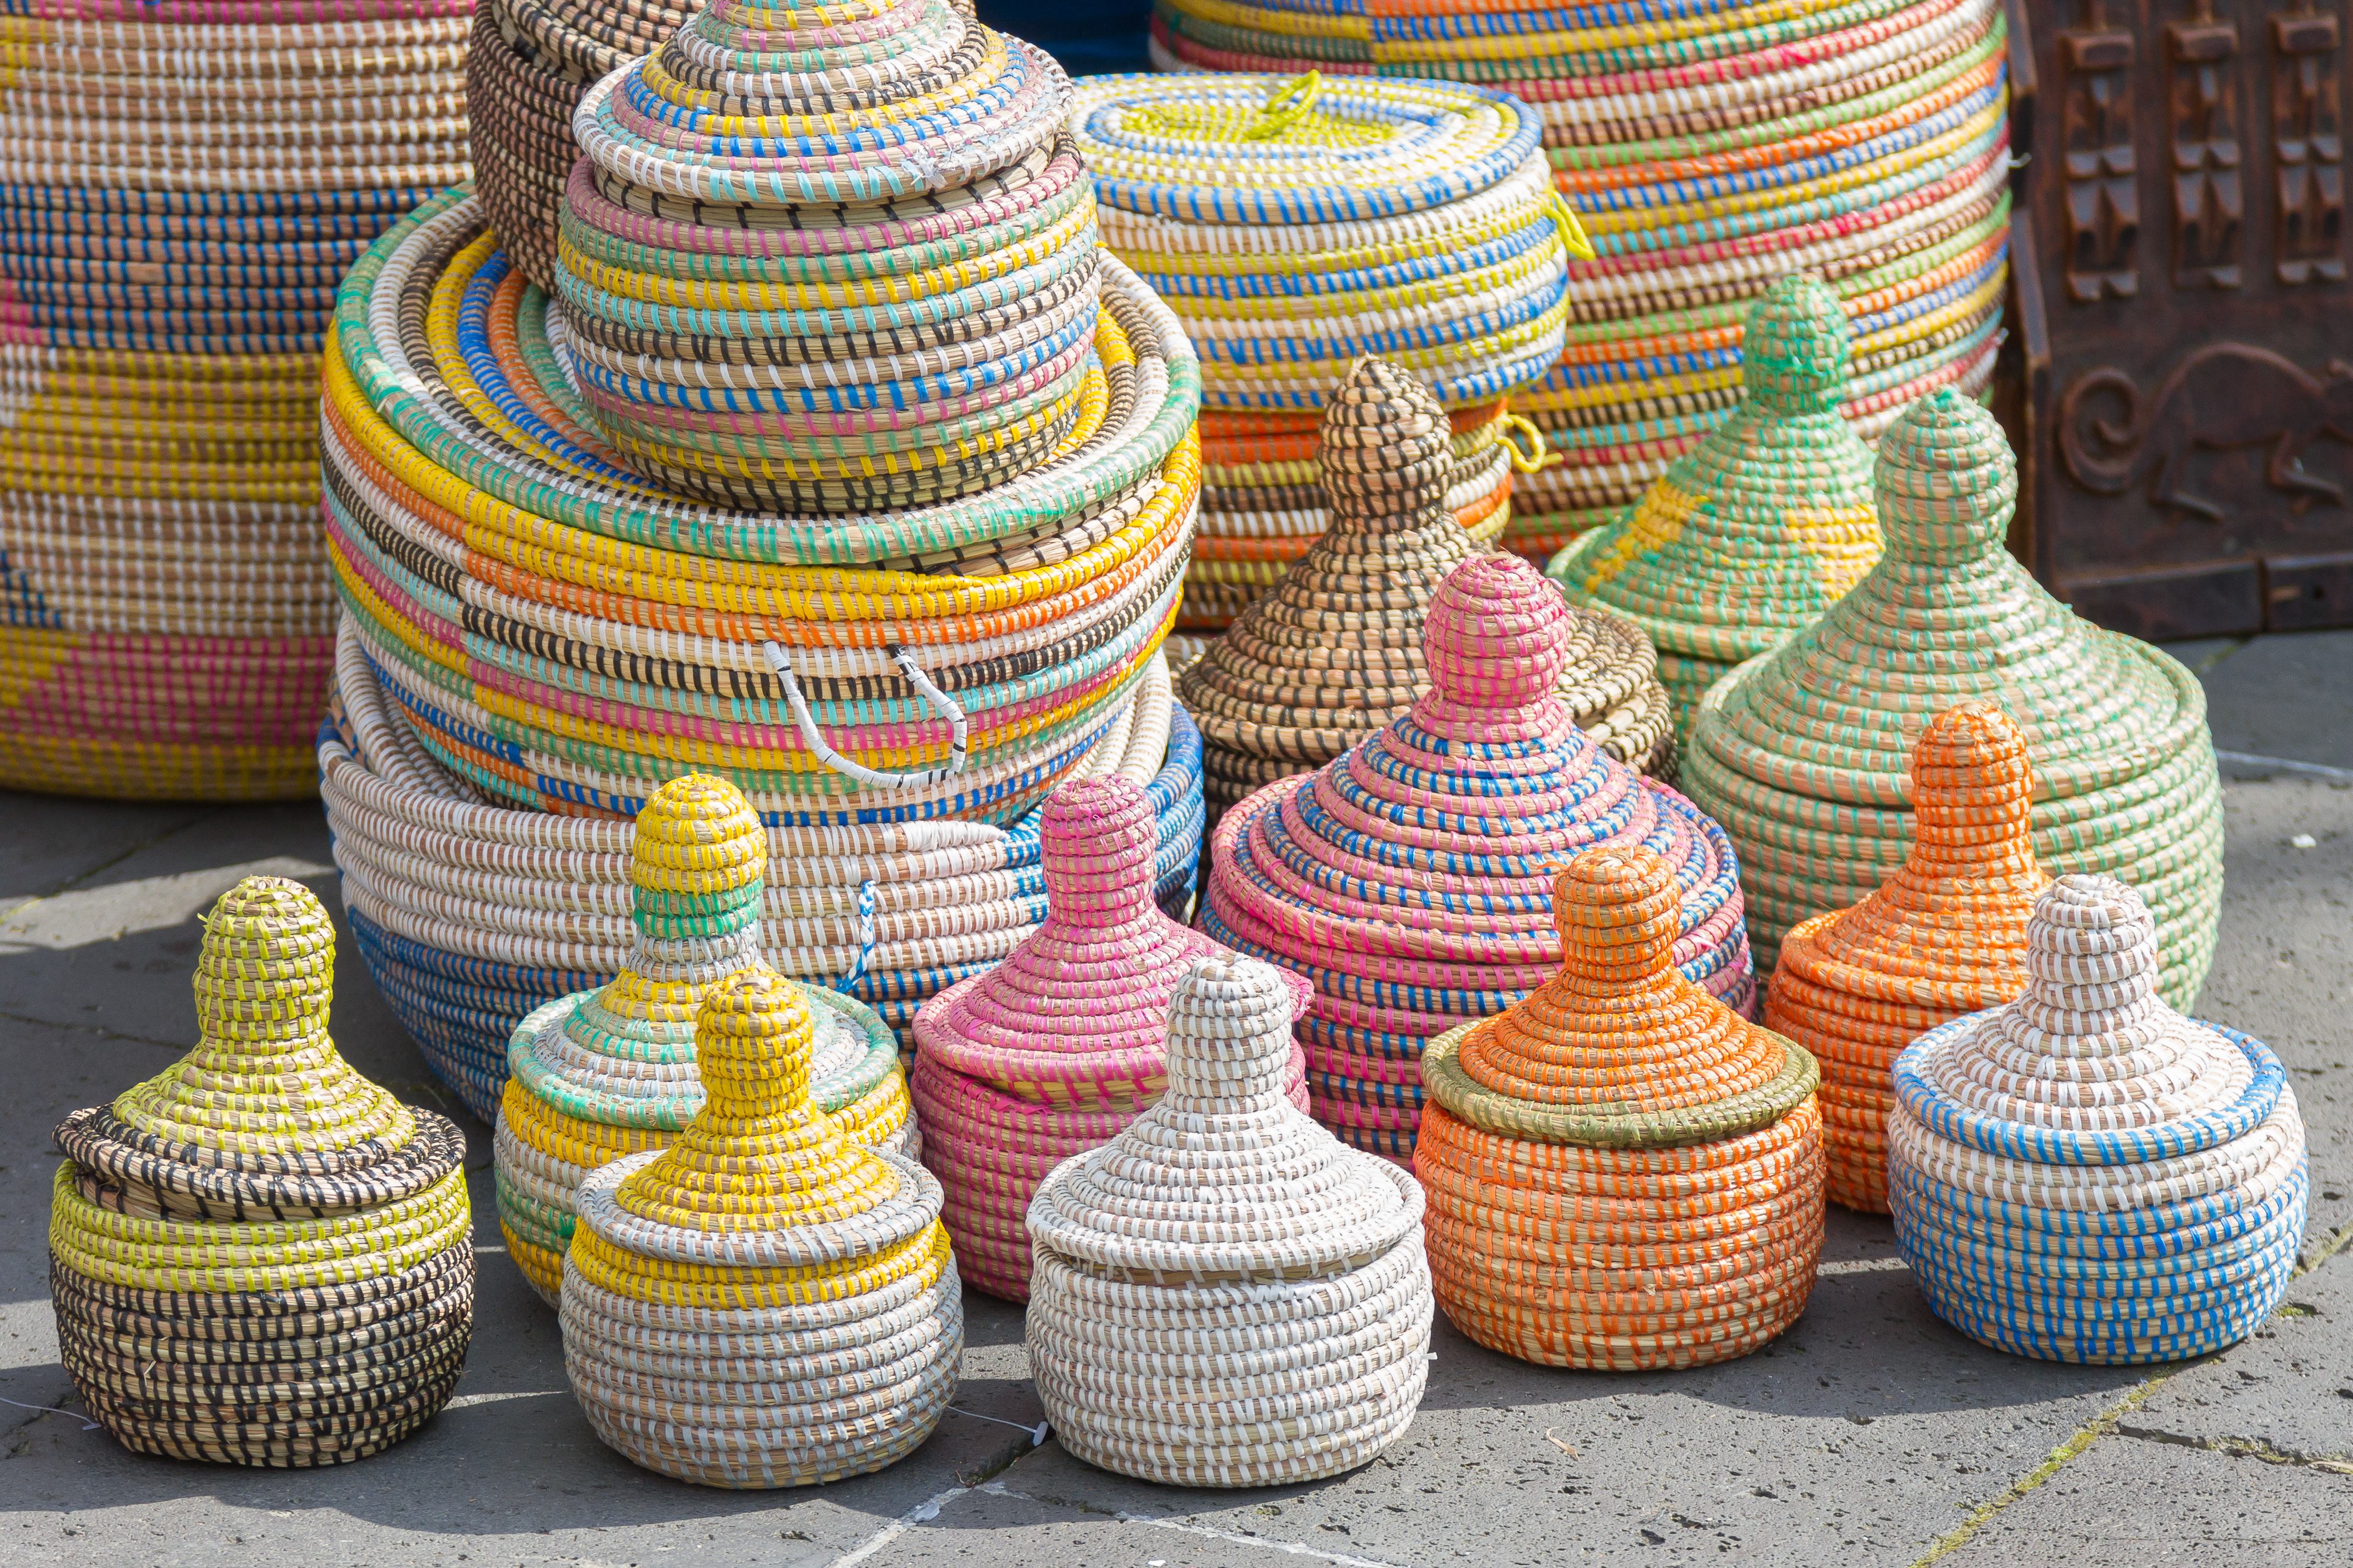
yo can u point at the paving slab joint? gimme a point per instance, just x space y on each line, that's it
2336 1464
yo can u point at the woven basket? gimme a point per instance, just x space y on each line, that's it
1800 753
766 1302
1222 1295
258 1257
1623 1173
1946 935
1411 879
473 917
1757 530
600 1074
1333 652
2083 1174
1053 1051
180 190
1708 148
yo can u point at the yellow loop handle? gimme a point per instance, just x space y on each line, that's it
1572 233
1287 106
1535 457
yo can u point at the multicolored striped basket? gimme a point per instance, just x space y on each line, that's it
1946 935
1623 1173
473 916
600 1074
257 1257
1222 1295
766 1302
181 181
2083 1175
1056 1049
1709 147
832 260
1757 530
1296 226
1801 753
1333 652
1411 879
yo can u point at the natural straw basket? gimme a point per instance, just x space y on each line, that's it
1411 879
1056 1049
1945 936
600 1074
1800 753
2083 1175
1333 652
1223 1295
766 1302
258 1257
1757 530
1296 226
1708 148
181 185
1623 1173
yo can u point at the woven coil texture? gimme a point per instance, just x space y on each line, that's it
1333 652
600 1074
1800 753
1708 147
1224 1295
1757 530
1623 1173
2083 1175
181 185
1055 1051
473 915
1411 879
1945 936
258 1257
767 1302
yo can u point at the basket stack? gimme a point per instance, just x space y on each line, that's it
258 1257
766 1302
1223 1295
527 65
1801 753
1709 148
606 1073
181 185
862 282
1623 1173
1333 651
1946 935
1757 530
2083 1175
1057 1048
1295 225
1410 880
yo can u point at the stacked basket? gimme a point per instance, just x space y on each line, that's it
1293 226
1800 753
1622 1173
1709 148
258 1257
1333 651
2083 1175
181 185
765 1303
1223 1295
1757 530
606 1073
1057 1048
1410 880
1946 935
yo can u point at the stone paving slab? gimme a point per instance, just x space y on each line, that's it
2279 696
2286 1393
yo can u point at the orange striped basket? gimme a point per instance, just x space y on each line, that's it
1945 936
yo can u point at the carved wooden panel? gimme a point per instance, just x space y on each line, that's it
2187 414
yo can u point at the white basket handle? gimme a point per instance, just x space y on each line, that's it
781 662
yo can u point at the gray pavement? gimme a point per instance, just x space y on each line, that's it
1870 1433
